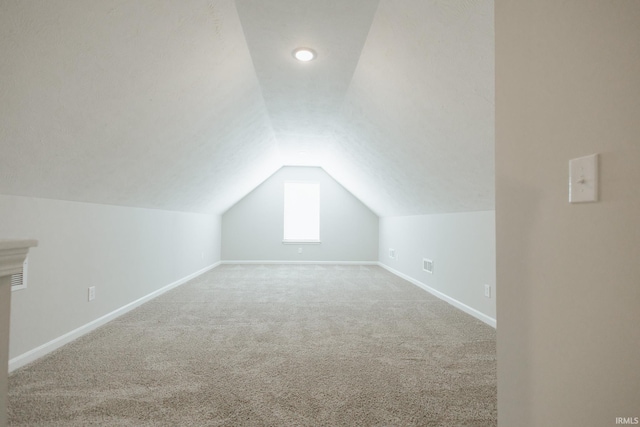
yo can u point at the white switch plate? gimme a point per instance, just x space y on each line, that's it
487 291
583 179
299 250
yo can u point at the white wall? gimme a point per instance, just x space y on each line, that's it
462 247
568 85
253 228
126 253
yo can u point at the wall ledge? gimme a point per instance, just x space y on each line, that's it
13 253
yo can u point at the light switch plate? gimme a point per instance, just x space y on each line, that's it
583 179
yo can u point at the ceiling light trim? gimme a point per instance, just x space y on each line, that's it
304 54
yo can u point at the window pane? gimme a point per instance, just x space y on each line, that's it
301 211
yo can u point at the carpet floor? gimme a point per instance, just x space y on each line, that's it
272 345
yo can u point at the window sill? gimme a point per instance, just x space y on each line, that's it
301 242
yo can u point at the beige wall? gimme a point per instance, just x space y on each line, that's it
567 85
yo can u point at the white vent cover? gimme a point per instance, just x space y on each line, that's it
19 280
427 265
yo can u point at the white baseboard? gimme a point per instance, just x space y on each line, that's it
300 262
38 352
32 355
454 302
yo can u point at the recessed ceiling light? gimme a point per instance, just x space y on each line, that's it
304 54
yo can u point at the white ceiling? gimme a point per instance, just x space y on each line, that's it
188 105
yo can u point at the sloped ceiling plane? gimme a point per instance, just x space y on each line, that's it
189 105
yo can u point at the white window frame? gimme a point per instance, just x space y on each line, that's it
298 240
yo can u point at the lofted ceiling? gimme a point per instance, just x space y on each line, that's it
189 105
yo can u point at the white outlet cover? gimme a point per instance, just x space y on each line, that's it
583 179
487 291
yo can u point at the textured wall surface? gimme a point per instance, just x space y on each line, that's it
253 228
568 85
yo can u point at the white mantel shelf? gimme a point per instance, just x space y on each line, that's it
12 254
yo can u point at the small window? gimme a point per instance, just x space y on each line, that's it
19 280
301 212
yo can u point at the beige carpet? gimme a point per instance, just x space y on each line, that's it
272 345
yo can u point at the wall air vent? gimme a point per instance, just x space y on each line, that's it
19 280
427 265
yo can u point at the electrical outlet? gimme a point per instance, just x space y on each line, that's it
487 291
392 253
299 250
92 293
